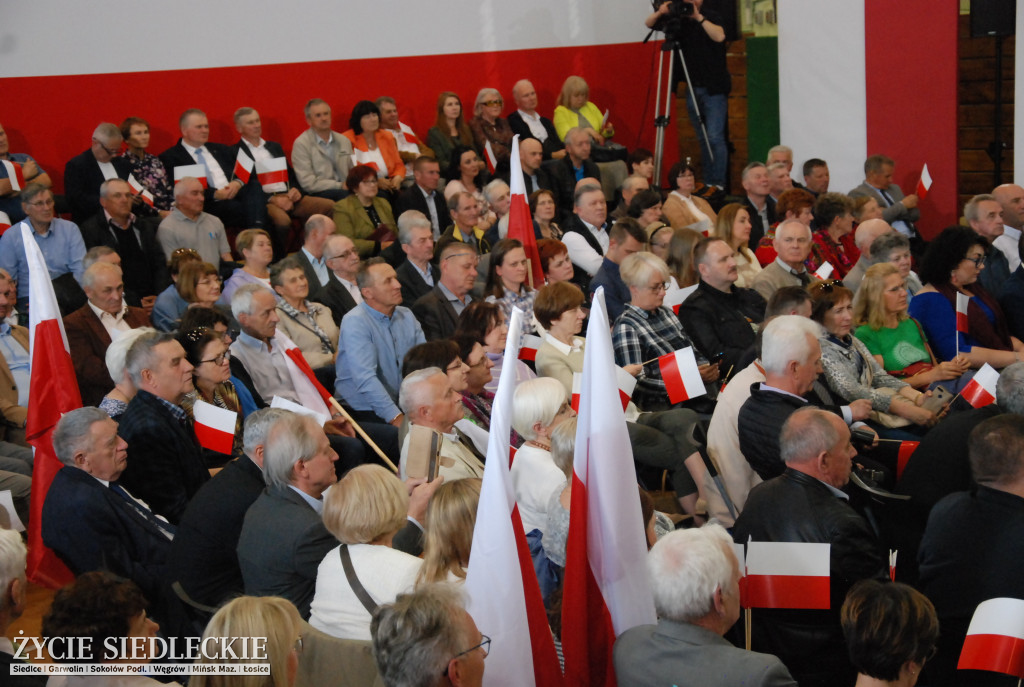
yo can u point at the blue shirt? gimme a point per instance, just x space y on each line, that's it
17 360
62 248
616 293
370 353
319 266
168 309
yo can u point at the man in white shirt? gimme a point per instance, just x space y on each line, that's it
1011 197
529 123
585 235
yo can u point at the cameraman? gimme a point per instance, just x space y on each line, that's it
700 35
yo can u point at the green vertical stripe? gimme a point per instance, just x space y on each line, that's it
762 95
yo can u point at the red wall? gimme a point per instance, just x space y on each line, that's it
59 113
912 77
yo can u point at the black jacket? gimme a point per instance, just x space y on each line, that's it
720 322
796 507
757 228
146 278
412 199
553 143
82 180
563 177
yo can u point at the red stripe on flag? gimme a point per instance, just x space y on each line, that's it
214 439
975 394
300 361
786 591
997 653
277 176
906 449
625 398
241 173
587 631
961 322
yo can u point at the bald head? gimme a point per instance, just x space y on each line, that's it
867 232
531 154
1011 197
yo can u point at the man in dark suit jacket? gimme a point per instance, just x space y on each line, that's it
84 173
535 176
343 261
525 96
900 211
88 328
317 230
565 173
424 196
757 185
416 273
281 195
89 519
438 311
167 468
224 197
203 558
687 647
133 238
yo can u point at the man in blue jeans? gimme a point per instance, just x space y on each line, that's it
701 37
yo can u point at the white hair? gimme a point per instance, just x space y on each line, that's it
409 220
257 427
241 300
637 269
784 339
685 568
536 400
291 438
414 393
117 351
89 277
494 189
12 558
72 433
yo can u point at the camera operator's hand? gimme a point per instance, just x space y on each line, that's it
657 14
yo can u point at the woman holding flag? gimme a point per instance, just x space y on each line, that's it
207 352
976 331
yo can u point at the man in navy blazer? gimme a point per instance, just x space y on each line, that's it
417 274
84 173
423 194
89 520
167 465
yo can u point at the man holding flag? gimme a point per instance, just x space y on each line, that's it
805 504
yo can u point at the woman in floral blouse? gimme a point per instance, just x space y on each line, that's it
146 167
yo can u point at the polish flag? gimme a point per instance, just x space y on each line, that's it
53 391
528 347
606 588
5 222
825 271
787 575
995 638
15 174
962 303
308 390
626 383
492 159
243 166
273 174
674 299
681 375
903 454
500 560
140 190
924 183
215 427
520 223
197 171
981 390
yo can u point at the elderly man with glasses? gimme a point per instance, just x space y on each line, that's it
84 173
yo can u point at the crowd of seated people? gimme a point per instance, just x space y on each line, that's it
389 319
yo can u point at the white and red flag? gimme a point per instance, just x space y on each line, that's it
243 166
995 638
787 575
273 174
197 171
924 183
981 390
520 222
53 391
681 375
675 297
606 588
140 190
504 595
529 346
310 393
490 157
626 383
963 301
15 174
215 427
825 271
5 222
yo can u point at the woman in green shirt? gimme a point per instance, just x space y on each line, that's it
893 337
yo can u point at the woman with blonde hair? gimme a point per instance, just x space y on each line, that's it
364 511
451 517
270 620
893 337
575 109
488 126
733 227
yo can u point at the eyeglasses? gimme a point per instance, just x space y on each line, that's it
492 103
455 366
41 204
109 151
978 261
479 363
344 255
220 359
658 288
827 286
485 645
